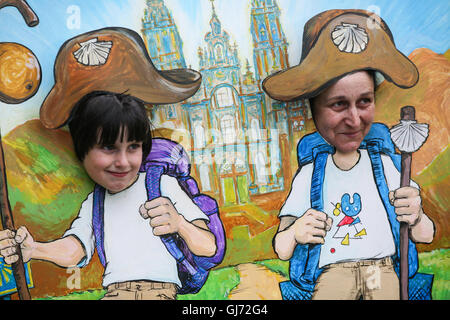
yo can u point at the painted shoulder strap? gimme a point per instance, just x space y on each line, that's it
314 149
97 221
168 157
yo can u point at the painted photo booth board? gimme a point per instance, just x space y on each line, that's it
242 144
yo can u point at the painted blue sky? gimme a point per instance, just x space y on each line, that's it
414 24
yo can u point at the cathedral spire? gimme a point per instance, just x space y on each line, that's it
161 36
215 24
270 44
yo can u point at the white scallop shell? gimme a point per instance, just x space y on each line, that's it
350 38
409 136
93 53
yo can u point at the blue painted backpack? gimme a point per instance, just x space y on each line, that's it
303 266
168 157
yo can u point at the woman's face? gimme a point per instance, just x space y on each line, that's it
344 112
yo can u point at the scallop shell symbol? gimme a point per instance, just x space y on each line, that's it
93 53
409 135
350 38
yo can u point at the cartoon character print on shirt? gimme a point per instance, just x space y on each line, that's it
350 227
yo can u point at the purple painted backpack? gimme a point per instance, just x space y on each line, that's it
168 157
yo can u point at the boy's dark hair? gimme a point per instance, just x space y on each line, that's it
108 114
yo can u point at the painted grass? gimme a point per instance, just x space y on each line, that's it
276 265
219 284
222 281
85 295
217 287
436 262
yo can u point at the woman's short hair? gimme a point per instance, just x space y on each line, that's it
100 117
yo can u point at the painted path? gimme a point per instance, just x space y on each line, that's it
257 283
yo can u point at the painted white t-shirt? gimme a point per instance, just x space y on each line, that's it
361 228
132 251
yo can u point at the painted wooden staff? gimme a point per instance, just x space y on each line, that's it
408 136
28 14
8 223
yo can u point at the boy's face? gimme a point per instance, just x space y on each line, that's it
114 167
343 113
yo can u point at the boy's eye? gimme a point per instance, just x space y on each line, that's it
135 146
108 147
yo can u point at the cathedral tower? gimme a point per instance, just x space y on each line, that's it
269 42
161 37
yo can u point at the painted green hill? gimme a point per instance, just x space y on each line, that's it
46 182
434 181
46 186
437 172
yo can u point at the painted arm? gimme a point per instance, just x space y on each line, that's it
284 242
65 252
311 228
199 239
164 219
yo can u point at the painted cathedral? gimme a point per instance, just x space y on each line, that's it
240 141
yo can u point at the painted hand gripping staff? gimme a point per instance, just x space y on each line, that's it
340 216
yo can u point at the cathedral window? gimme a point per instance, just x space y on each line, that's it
171 112
199 136
204 177
261 177
263 32
224 97
255 132
167 42
219 53
228 129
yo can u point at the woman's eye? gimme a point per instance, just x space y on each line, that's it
338 105
365 102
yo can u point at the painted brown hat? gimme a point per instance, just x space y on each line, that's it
338 42
114 60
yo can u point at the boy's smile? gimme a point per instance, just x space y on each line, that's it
118 174
114 167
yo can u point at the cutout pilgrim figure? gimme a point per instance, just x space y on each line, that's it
135 236
345 205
